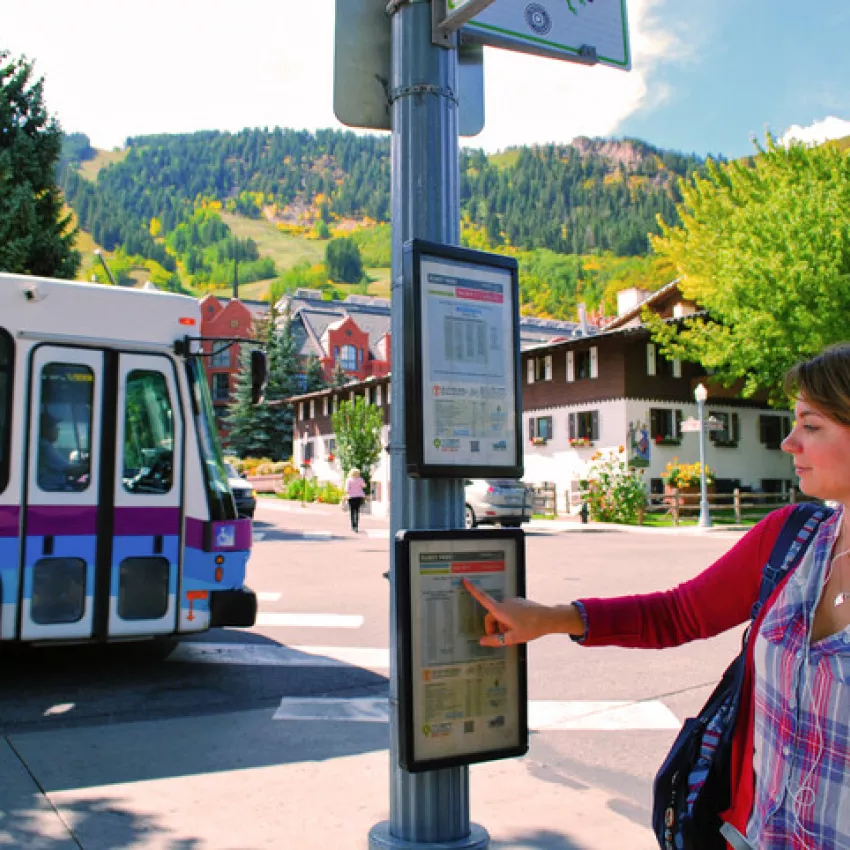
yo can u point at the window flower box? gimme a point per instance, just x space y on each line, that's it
538 441
726 444
667 441
580 442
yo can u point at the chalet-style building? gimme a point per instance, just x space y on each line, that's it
314 441
582 394
615 389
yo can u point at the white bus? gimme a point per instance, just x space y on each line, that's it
116 519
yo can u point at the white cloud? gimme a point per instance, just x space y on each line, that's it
116 70
818 132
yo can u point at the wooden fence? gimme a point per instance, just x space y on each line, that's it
544 498
677 503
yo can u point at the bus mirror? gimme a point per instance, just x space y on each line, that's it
258 374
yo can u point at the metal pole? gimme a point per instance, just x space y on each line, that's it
106 267
428 809
704 513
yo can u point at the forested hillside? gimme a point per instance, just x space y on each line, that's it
161 200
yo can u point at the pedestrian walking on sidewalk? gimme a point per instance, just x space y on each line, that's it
355 494
789 772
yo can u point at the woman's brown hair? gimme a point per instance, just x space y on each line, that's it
824 382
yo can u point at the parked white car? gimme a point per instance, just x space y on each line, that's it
505 501
243 492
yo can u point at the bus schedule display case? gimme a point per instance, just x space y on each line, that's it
459 702
461 363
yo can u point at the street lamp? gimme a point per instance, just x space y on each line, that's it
701 394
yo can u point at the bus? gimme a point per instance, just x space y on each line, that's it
116 519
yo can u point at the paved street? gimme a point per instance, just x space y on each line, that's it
210 748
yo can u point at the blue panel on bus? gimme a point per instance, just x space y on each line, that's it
81 546
9 554
199 570
140 547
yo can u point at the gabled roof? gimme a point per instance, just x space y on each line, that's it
656 301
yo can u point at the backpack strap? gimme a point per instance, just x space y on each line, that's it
794 538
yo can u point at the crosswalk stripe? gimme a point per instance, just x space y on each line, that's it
318 621
543 715
267 596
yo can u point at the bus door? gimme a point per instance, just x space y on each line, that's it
59 565
102 514
148 481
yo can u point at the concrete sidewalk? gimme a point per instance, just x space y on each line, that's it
565 523
247 782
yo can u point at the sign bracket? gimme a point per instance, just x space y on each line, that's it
445 24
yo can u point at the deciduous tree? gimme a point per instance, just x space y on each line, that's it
342 258
764 248
357 426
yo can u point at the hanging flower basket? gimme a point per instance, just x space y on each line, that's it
331 457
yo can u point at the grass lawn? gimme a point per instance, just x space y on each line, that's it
285 249
718 517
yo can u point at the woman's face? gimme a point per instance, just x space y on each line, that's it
820 447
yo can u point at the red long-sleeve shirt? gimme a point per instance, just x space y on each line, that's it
719 598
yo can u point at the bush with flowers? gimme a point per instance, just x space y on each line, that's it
614 492
683 475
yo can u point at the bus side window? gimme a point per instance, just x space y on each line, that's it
148 434
64 453
5 406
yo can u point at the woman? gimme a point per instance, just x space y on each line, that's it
355 493
790 755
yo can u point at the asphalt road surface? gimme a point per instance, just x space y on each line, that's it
601 719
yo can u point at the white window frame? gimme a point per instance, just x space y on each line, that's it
650 358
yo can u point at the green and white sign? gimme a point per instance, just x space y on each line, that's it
585 31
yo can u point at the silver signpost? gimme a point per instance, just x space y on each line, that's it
423 78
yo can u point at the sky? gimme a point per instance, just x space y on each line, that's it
708 76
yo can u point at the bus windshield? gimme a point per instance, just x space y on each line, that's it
219 496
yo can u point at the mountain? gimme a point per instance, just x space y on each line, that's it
160 200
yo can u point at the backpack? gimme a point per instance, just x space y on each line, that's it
693 785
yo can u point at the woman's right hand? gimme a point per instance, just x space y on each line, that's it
518 620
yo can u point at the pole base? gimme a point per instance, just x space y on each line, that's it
380 838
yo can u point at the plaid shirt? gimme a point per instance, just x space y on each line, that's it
802 717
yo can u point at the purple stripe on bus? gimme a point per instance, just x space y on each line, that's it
61 519
229 535
137 521
9 520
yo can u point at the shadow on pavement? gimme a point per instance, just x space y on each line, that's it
101 823
544 839
91 716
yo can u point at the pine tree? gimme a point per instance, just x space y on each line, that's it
338 378
35 237
265 429
245 437
315 375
